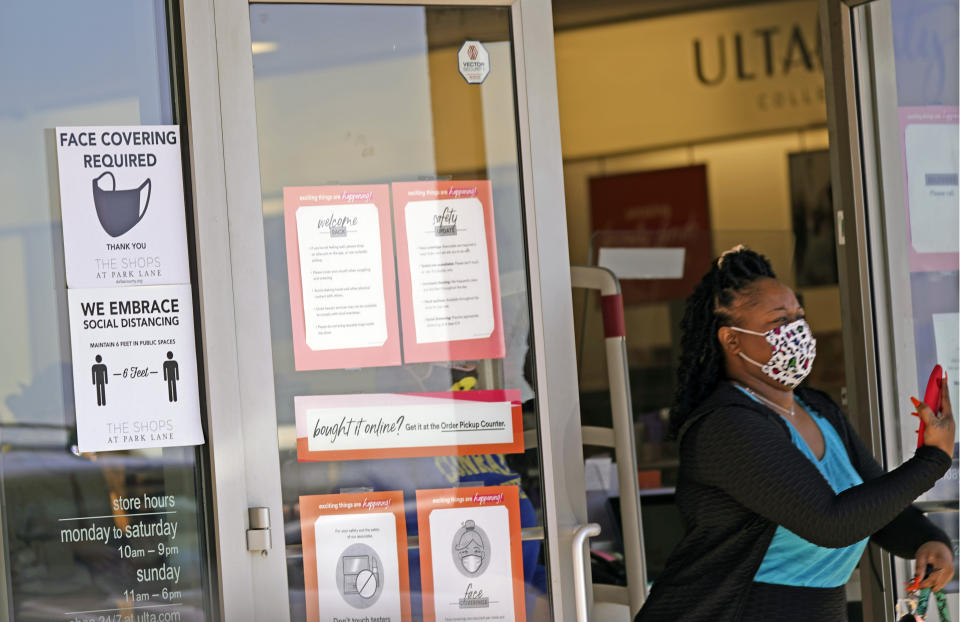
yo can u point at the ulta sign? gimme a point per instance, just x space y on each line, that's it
779 51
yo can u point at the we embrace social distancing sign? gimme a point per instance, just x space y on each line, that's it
129 296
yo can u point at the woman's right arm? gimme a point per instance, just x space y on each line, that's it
750 457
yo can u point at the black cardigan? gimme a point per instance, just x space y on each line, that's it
741 476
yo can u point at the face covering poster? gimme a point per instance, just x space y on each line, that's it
447 269
121 200
355 557
130 302
343 301
470 554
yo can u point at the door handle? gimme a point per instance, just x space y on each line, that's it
580 536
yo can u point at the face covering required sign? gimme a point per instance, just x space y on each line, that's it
121 196
129 296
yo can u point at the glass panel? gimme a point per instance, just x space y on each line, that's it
912 48
733 149
59 512
366 113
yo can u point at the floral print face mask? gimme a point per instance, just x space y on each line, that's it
792 350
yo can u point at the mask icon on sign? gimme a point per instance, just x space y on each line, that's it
119 210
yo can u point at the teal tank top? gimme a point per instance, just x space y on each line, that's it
791 560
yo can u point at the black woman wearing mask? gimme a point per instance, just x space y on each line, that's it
778 494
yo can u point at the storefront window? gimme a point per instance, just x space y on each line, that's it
83 537
729 147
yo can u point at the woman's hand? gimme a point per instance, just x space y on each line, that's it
940 557
940 431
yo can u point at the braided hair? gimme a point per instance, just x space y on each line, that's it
701 356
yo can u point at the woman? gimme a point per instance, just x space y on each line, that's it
778 494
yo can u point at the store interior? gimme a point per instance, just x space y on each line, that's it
697 129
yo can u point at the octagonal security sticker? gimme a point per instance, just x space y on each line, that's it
474 61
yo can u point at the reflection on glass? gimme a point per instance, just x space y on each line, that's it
914 46
374 96
76 539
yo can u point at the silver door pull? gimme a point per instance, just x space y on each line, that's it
579 573
258 533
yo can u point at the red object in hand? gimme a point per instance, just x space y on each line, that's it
931 398
913 586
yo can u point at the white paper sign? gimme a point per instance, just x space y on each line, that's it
472 574
643 263
121 199
134 367
341 271
947 338
449 270
418 424
358 573
931 152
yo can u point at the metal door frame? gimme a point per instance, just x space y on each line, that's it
235 316
872 310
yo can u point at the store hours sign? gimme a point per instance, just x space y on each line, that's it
129 296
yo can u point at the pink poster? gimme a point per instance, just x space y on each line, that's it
343 301
447 267
928 136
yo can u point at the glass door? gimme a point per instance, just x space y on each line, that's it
893 78
401 300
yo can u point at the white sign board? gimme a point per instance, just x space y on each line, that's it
932 162
643 263
454 422
134 367
474 61
121 199
357 560
945 334
341 271
472 573
128 287
449 270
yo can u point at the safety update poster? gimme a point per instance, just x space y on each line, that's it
129 298
355 557
447 270
470 554
343 300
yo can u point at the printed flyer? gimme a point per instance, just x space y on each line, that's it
343 300
129 297
355 557
134 367
121 200
929 147
447 269
470 554
407 425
